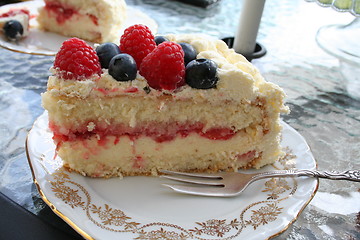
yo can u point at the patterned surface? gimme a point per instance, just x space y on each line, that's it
322 111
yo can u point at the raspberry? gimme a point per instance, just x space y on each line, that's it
137 41
77 60
164 67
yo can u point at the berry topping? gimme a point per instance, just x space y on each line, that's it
201 73
122 67
189 51
160 39
106 52
76 60
138 41
164 67
13 30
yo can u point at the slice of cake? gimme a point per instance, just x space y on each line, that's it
93 20
187 104
15 23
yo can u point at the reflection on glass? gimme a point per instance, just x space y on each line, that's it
352 6
342 41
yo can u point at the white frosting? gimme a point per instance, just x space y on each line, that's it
238 78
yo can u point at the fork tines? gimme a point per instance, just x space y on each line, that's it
195 178
200 175
202 184
199 191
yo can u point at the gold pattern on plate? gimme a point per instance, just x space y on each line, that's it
275 187
115 220
116 217
161 234
215 227
264 215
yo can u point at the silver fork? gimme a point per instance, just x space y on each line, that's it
229 184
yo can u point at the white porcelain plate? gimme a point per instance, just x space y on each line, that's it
39 42
141 208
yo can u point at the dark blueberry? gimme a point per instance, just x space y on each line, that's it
13 30
147 89
160 39
122 67
190 52
106 52
201 73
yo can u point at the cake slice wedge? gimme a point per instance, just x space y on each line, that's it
92 20
105 127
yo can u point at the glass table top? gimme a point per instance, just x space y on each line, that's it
321 108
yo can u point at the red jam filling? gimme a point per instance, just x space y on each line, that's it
107 92
64 13
218 133
14 12
138 162
159 133
246 157
131 90
93 19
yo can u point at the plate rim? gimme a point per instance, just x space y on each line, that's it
47 201
87 236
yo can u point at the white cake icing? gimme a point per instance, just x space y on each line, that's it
238 78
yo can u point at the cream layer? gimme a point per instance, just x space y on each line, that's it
125 156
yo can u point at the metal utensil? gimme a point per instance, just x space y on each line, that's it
229 184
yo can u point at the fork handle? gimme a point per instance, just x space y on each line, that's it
350 175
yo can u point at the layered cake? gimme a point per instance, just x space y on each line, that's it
93 20
176 102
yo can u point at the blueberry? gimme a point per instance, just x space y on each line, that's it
201 73
106 52
122 67
13 30
189 51
160 39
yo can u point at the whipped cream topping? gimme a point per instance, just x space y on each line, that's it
238 80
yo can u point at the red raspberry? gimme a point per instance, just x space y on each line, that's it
137 41
164 67
77 60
